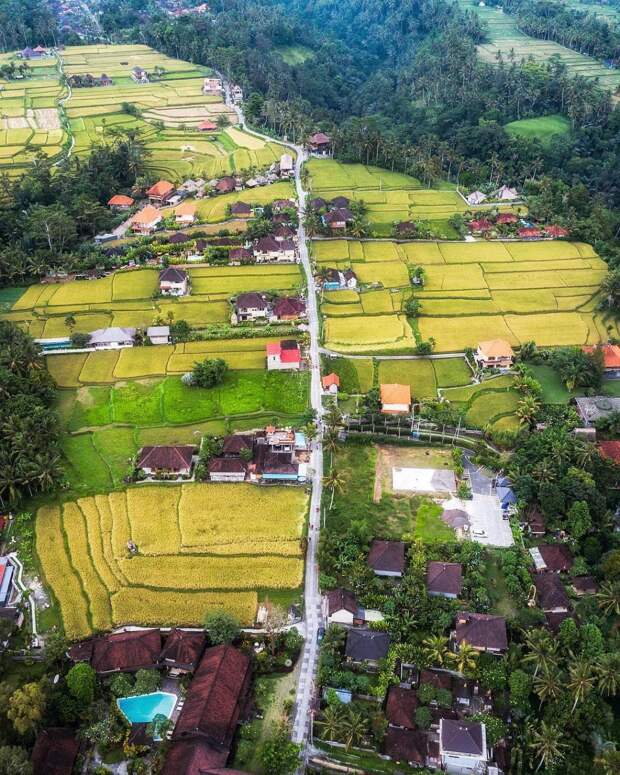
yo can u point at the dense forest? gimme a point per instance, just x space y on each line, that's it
26 23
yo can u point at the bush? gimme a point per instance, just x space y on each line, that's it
209 373
423 717
147 681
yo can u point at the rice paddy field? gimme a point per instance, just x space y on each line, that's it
504 37
196 553
545 128
390 197
544 291
126 299
39 112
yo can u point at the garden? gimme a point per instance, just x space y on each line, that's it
199 548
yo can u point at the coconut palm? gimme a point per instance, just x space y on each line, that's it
607 669
334 481
355 728
608 761
465 659
527 409
436 649
548 686
331 723
540 650
581 680
608 598
546 743
330 444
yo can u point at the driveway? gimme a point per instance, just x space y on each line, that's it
487 525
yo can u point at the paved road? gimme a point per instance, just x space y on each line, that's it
312 597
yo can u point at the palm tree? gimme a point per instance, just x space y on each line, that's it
548 686
332 723
466 658
436 649
330 444
334 481
608 598
355 729
607 669
608 761
581 680
546 742
541 650
527 409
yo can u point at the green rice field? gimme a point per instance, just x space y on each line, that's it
544 128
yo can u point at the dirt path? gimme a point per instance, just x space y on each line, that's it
379 471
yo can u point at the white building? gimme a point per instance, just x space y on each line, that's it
173 282
111 338
158 334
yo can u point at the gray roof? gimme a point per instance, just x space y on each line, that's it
158 331
593 408
112 335
367 644
466 737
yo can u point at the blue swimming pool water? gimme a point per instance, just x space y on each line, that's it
145 707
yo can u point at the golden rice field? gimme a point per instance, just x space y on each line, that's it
196 553
126 299
544 291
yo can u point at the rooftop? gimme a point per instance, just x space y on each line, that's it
395 394
464 737
169 458
482 631
365 645
444 577
387 556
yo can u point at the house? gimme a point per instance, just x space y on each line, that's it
139 75
120 202
387 558
178 238
556 232
236 93
507 497
239 256
241 210
237 443
494 354
336 280
284 232
159 193
173 282
400 707
584 585
318 203
476 198
366 647
339 201
319 144
212 86
535 520
340 606
270 250
185 213
462 746
444 579
331 383
611 358
251 306
506 194
529 232
556 558
593 408
288 308
227 469
395 399
550 593
482 631
216 698
440 679
276 467
406 745
286 165
6 581
207 126
182 651
55 751
145 221
610 450
195 756
339 218
108 338
166 460
158 334
120 652
480 226
225 185
284 355
506 219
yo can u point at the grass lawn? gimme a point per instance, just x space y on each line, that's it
419 375
8 297
502 602
366 761
543 128
429 526
295 55
611 387
554 390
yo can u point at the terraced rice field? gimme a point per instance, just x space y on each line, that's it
504 37
543 291
125 299
216 555
490 405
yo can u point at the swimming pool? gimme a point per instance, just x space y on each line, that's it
144 707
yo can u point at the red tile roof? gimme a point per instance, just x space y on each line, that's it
482 631
444 578
126 651
226 184
320 138
610 449
556 231
529 231
287 354
193 757
504 218
330 379
166 458
161 188
288 306
557 557
183 649
550 592
54 752
207 126
401 706
215 697
404 745
436 678
227 465
480 225
119 200
387 556
341 599
236 443
611 354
